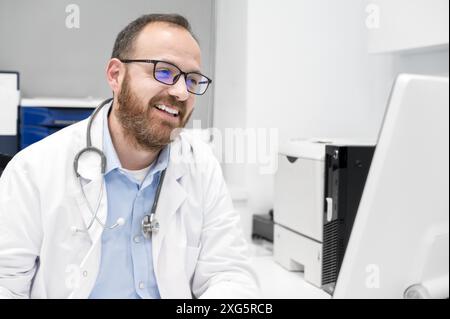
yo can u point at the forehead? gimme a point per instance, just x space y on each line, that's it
164 41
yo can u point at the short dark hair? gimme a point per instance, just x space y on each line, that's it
125 39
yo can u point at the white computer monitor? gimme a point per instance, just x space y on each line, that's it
400 238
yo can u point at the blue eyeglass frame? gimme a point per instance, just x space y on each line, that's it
154 62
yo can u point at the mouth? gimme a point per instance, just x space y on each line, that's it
170 111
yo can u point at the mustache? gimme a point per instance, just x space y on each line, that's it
170 100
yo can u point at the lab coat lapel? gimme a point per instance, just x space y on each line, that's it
93 182
171 197
94 188
91 262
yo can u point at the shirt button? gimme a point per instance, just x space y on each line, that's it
85 273
137 239
141 285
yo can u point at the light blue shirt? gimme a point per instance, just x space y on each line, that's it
126 268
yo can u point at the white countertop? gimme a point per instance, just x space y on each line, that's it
279 283
88 102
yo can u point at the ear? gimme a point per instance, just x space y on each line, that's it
115 72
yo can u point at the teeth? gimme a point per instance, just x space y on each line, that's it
166 109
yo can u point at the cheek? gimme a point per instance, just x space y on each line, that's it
190 104
146 92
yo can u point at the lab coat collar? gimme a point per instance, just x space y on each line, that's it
89 163
112 160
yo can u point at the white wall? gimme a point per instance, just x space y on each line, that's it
308 73
331 87
230 81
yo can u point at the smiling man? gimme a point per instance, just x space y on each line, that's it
164 227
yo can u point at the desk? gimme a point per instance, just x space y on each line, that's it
278 283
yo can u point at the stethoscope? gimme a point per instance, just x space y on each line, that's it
149 223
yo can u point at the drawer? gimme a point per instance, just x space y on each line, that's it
52 117
32 134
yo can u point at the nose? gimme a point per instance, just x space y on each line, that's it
179 89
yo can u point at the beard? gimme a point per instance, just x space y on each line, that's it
140 123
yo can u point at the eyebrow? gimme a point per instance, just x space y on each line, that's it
171 62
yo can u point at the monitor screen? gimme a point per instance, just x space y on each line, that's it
399 245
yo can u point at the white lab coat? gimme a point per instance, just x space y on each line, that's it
198 252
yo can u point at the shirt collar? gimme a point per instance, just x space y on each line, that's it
112 160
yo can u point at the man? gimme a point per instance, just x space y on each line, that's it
62 236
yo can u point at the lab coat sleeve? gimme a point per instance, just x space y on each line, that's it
20 232
223 269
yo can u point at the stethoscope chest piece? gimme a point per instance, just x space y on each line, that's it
149 225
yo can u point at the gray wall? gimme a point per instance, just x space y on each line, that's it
60 62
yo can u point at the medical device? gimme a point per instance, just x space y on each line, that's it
318 187
149 223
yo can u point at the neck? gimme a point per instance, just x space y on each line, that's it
130 155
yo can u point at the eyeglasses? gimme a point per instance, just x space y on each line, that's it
169 74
